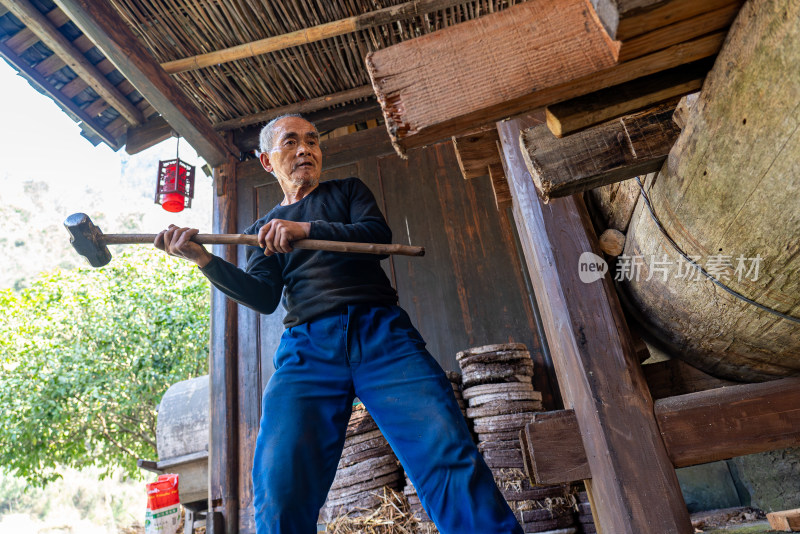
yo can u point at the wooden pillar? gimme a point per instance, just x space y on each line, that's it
634 488
223 368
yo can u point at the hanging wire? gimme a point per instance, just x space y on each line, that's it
697 266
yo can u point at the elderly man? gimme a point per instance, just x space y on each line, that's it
345 337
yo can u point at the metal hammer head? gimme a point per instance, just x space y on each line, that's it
87 239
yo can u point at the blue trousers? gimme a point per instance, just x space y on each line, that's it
374 353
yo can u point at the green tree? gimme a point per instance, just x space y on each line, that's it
87 355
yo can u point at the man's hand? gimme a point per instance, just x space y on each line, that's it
177 242
277 235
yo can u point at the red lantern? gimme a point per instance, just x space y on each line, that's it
175 185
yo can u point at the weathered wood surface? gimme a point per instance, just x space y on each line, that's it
428 82
675 377
223 463
785 521
697 428
634 486
152 132
729 190
680 31
685 106
612 205
742 419
566 118
612 242
554 453
100 21
610 152
628 18
502 193
476 151
415 118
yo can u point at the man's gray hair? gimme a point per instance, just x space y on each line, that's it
267 135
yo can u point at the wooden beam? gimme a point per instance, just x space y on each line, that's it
535 45
611 152
742 419
39 24
624 19
476 151
697 428
634 486
336 152
306 106
148 134
675 377
336 28
683 110
67 104
246 139
102 24
574 115
502 193
447 102
679 32
554 449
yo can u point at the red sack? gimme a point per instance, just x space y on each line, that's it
163 506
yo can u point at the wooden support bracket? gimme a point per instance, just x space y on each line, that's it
697 428
611 152
634 486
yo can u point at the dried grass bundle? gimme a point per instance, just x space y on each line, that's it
391 517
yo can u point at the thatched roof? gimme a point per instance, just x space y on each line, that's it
238 91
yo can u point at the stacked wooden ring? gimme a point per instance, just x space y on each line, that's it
498 387
585 513
366 467
424 523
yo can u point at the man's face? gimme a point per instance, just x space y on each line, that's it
295 157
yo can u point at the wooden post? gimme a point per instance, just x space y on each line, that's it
634 487
223 371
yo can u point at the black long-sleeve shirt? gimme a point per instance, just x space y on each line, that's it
315 281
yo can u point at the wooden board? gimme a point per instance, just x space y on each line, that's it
610 152
480 65
785 521
697 428
574 115
634 485
476 151
628 18
554 453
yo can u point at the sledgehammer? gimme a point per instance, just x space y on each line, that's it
91 243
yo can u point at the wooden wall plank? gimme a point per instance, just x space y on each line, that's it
634 485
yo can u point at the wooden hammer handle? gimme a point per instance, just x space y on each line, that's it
252 240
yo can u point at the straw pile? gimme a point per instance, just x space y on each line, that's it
498 385
390 517
366 468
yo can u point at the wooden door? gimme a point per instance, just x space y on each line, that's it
468 290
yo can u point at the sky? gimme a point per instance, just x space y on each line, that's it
40 142
42 149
